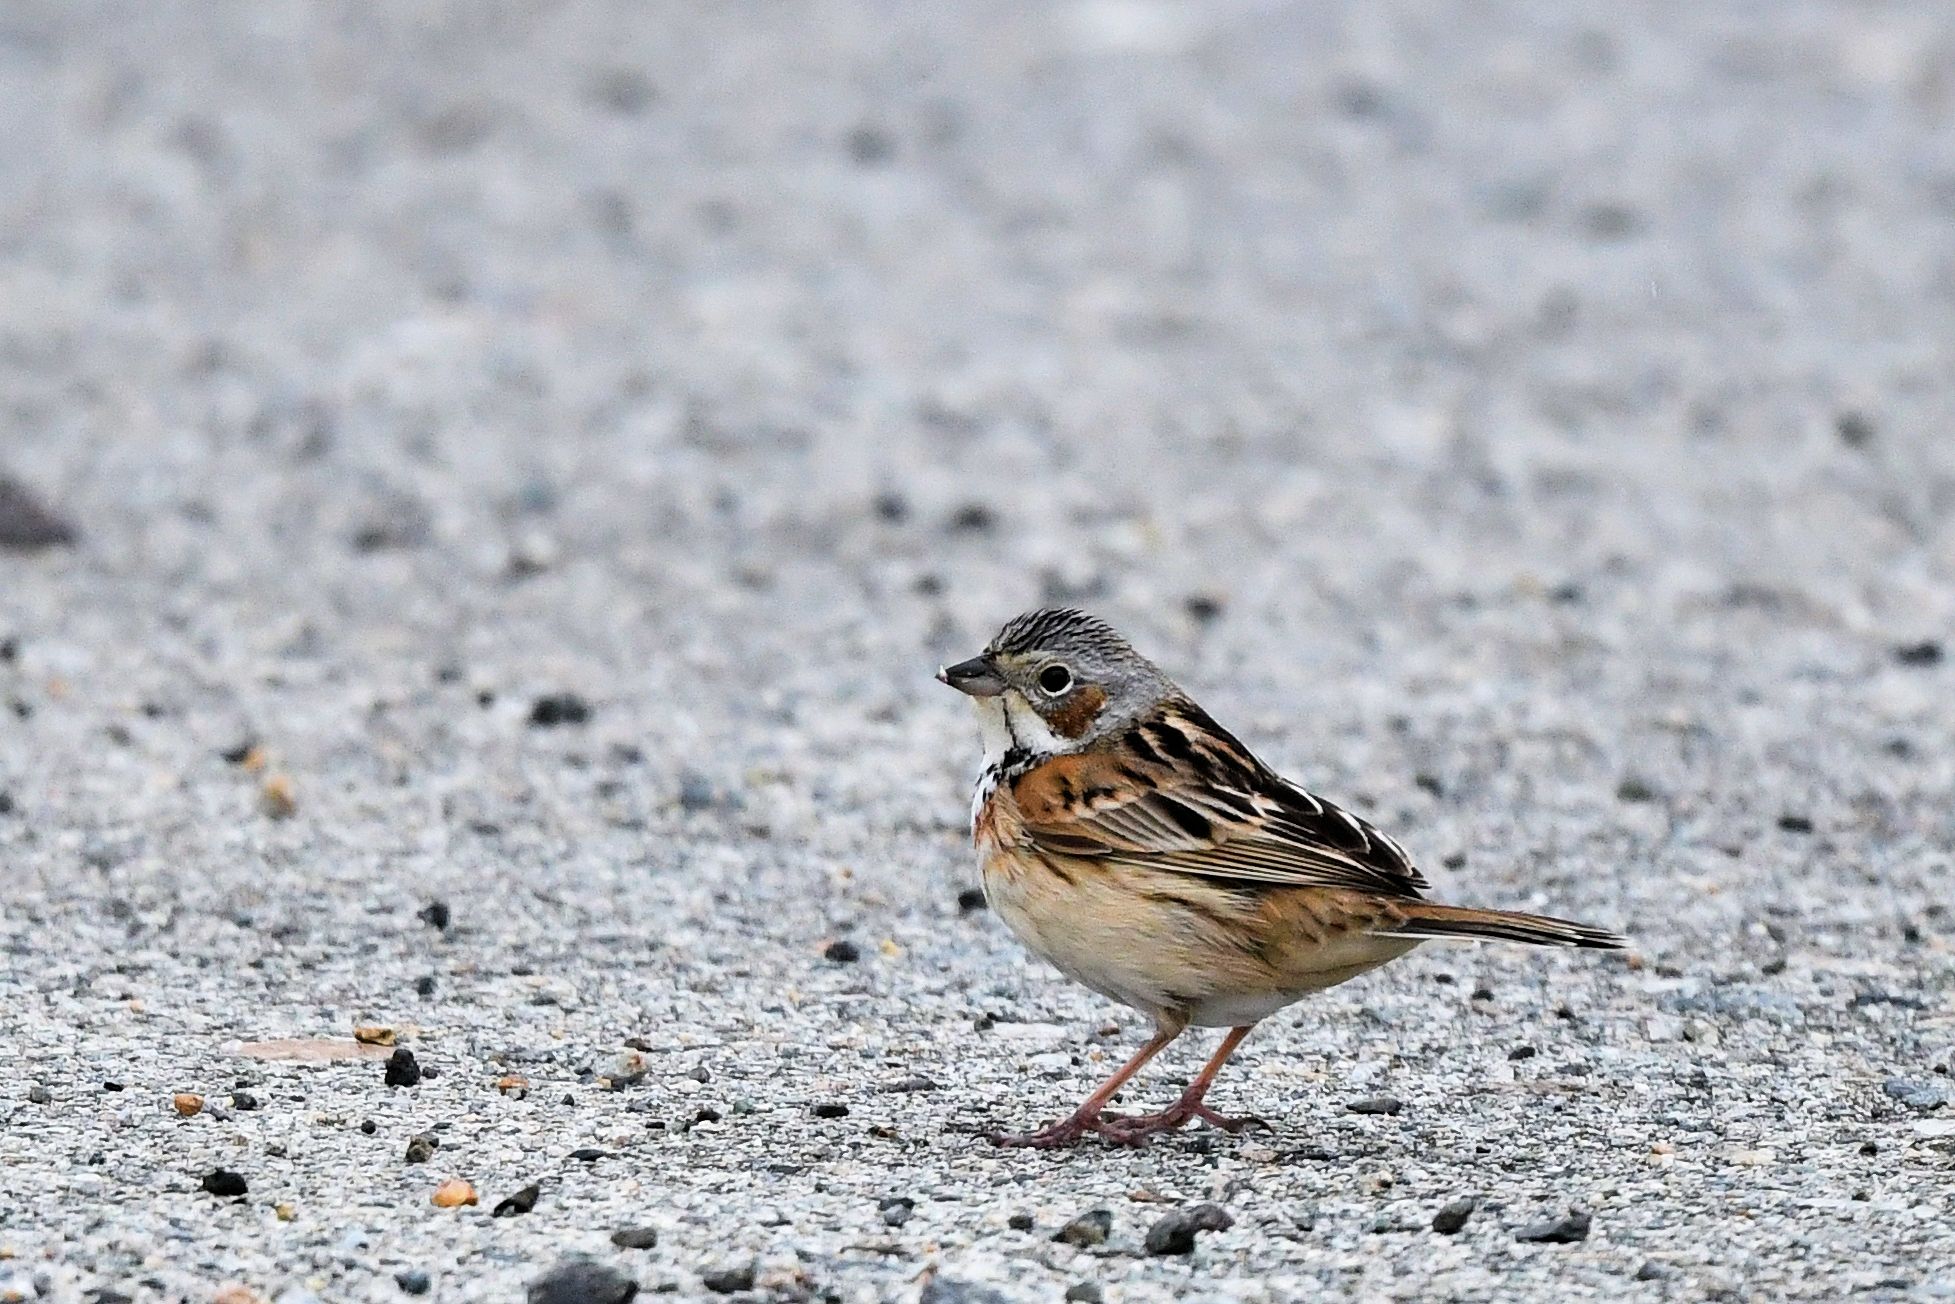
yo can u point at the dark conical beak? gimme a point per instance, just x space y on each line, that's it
978 677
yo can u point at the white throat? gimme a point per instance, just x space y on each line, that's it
1013 735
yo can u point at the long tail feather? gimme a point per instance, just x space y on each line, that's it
1425 919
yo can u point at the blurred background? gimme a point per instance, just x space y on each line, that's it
532 455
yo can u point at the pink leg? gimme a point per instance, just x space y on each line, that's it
1133 1131
1087 1117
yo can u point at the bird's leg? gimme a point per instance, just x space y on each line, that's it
1132 1131
1087 1117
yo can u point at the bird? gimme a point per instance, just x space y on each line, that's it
1145 852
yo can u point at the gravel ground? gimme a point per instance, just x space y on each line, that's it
530 457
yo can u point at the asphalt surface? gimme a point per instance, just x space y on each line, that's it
530 458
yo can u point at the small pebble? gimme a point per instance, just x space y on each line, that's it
1089 1229
413 1281
435 914
424 985
1928 652
1375 1105
830 1110
421 1147
26 523
1085 1292
695 792
520 1203
454 1193
635 1238
896 1210
728 1281
39 1095
555 709
1175 1232
243 1101
1022 1222
403 1070
970 901
581 1281
842 952
1566 1230
1453 1215
222 1181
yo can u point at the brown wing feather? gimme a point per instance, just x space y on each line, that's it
1178 792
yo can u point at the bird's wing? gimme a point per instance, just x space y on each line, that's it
1177 792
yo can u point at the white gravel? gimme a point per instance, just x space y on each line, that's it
1554 396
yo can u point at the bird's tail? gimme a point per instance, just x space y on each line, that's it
1427 919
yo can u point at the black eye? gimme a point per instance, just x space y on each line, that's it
1054 680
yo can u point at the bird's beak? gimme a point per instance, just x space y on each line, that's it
978 677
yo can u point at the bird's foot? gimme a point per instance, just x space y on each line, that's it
1068 1131
1135 1129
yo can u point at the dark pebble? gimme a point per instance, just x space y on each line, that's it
1021 1222
403 1070
1566 1230
237 755
590 1155
1919 1095
1375 1105
842 953
1203 607
1651 1271
1795 823
870 146
915 1082
974 518
1925 653
582 1281
519 1203
424 985
222 1181
1085 1292
39 1095
1175 1232
828 1109
243 1101
1453 1215
421 1147
368 1126
559 708
6 803
1635 789
1089 1229
728 1281
26 523
970 900
635 1238
435 914
695 792
1855 429
413 1281
892 507
1522 1053
896 1210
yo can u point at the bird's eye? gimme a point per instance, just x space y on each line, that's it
1054 680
